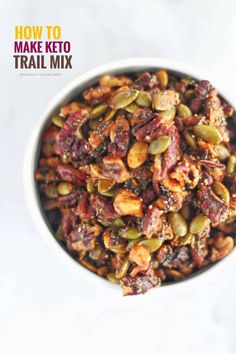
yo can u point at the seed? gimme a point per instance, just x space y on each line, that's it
189 94
133 243
58 121
190 140
118 223
132 107
164 100
221 191
98 111
162 77
118 249
231 165
64 188
111 193
59 234
137 154
131 233
90 186
97 171
152 245
186 240
144 99
95 253
112 278
199 224
207 133
123 98
178 224
88 265
183 111
105 185
94 123
159 145
50 191
222 152
169 114
175 274
123 269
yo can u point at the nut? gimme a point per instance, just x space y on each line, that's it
127 203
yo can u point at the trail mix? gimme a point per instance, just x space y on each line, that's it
137 178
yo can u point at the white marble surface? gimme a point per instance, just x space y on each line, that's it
43 307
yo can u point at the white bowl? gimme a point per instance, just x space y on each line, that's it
64 96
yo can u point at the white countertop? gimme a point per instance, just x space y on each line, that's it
45 308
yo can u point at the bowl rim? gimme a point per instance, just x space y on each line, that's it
30 191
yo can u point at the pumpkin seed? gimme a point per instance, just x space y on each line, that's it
198 224
133 243
111 193
59 234
221 191
178 224
123 269
189 94
152 245
222 152
98 111
144 99
58 121
118 223
50 191
190 140
175 274
112 278
105 185
207 133
132 107
186 240
94 123
163 79
90 186
123 98
164 100
183 111
159 145
169 114
118 249
64 188
231 165
95 253
131 233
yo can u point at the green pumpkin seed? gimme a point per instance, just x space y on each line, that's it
231 165
123 98
98 111
222 152
112 278
131 233
190 140
95 253
94 123
105 185
133 243
144 99
123 269
50 191
118 249
198 224
186 240
164 100
58 121
221 191
90 186
175 274
163 79
183 111
159 145
118 223
178 224
132 107
207 133
169 114
152 245
111 193
64 188
189 94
